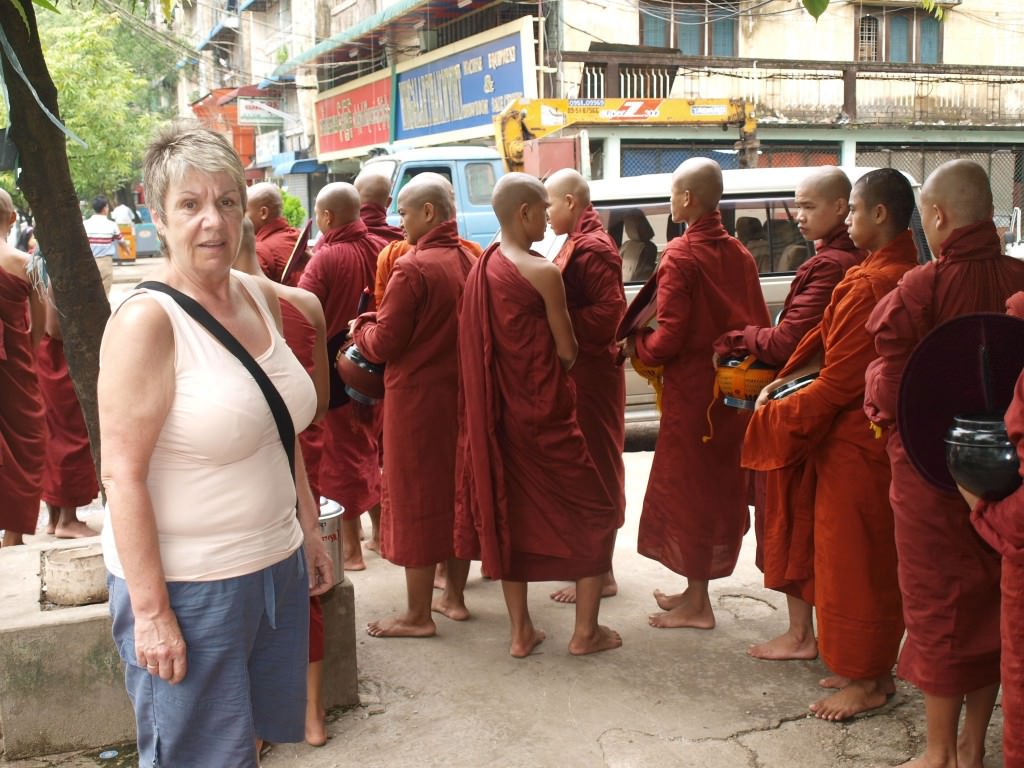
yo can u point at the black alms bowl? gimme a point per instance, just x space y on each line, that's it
981 457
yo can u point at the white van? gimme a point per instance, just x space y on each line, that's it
757 207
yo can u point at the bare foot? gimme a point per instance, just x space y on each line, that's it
687 615
602 639
316 731
76 529
355 563
926 761
523 646
838 682
455 612
785 647
859 696
51 528
400 626
568 594
667 602
373 544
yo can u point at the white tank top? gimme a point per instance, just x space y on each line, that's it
219 480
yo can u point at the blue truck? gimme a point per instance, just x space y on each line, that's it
472 171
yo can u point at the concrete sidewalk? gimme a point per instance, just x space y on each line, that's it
684 698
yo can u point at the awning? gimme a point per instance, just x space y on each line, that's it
308 165
245 90
221 30
411 15
273 80
252 5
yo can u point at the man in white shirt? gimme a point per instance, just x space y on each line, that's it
104 239
122 214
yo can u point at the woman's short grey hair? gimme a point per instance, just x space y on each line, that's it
183 147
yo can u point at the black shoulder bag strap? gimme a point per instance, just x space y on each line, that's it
277 407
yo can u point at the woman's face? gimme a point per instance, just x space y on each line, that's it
202 222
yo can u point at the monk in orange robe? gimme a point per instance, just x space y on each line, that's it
375 196
952 614
342 267
22 418
822 204
695 511
822 428
592 273
69 481
529 500
415 334
1001 524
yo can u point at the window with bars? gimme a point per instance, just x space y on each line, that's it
693 28
901 36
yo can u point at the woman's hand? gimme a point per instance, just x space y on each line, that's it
318 563
159 646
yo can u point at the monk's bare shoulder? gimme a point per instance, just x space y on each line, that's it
539 272
307 303
14 262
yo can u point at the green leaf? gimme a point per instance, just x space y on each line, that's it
21 12
44 4
815 7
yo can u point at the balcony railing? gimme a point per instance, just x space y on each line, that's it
812 92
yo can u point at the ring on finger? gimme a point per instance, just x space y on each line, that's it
152 666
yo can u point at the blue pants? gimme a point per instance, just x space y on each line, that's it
246 643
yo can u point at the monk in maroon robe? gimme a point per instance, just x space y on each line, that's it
22 418
343 266
846 470
592 273
302 325
822 204
415 333
375 197
952 614
695 511
69 481
1001 524
529 500
275 237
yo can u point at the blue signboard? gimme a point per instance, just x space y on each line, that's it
464 90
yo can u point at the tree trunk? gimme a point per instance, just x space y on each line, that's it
46 183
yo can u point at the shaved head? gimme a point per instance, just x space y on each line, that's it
6 205
266 195
888 187
512 191
702 178
430 188
826 183
961 188
569 182
340 201
373 188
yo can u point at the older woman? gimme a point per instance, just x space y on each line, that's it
207 556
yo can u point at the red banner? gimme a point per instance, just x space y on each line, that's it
357 118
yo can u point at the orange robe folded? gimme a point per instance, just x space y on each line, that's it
344 264
274 244
22 417
822 427
695 510
592 272
529 500
951 613
70 477
778 493
395 250
1001 524
415 333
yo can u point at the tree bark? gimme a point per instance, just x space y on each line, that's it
45 180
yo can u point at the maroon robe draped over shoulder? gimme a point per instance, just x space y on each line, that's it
529 500
592 272
415 333
821 430
300 336
1001 524
70 477
22 418
951 613
274 244
695 510
376 220
344 264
